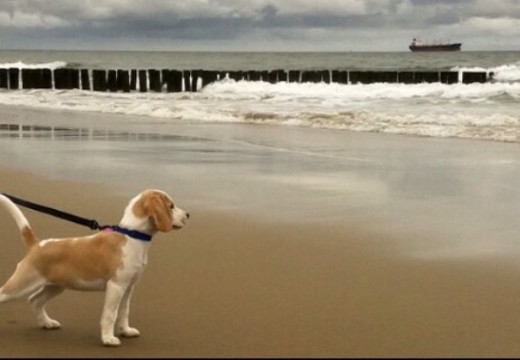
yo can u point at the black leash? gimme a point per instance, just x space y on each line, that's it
92 224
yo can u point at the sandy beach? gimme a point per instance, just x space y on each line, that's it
232 284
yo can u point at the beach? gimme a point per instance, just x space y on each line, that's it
300 243
231 287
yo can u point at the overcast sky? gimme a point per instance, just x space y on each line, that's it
257 25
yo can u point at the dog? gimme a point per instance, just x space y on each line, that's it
110 260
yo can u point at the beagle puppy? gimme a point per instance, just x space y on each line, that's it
111 260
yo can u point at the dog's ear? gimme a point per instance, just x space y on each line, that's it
158 209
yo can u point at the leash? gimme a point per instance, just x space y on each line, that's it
92 224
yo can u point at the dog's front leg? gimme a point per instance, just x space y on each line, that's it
113 296
122 324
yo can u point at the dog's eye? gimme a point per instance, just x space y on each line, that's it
172 206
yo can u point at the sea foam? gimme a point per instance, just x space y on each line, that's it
21 65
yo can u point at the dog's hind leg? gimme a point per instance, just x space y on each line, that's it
38 301
24 282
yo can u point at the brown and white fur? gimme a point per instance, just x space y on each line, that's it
108 261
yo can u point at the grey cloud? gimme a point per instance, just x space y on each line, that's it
97 22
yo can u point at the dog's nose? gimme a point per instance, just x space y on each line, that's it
187 215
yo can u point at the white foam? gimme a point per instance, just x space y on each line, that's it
506 73
311 92
50 65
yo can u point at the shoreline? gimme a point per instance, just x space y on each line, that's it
227 286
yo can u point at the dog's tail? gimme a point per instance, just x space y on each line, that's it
28 236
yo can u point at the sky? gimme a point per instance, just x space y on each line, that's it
257 25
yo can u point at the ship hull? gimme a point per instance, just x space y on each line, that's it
448 47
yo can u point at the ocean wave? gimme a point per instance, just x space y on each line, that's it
339 93
503 73
21 65
477 111
497 127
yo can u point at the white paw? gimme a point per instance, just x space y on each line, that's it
130 332
51 324
111 341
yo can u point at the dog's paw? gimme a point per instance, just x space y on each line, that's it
111 341
130 332
51 324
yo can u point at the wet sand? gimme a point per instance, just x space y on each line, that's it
232 287
236 284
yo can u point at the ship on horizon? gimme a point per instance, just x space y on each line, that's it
417 45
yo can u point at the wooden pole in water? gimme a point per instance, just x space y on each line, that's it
155 80
406 77
426 77
142 81
187 80
294 75
30 78
14 75
449 77
123 80
85 80
282 75
66 79
272 77
473 77
133 79
4 83
208 77
112 80
194 80
99 81
253 75
46 78
340 77
174 81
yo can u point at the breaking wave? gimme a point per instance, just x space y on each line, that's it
477 111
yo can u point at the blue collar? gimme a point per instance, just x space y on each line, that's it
135 234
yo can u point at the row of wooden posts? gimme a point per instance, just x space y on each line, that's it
193 80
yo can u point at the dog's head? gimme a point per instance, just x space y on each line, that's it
154 210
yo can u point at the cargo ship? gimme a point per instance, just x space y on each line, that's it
416 45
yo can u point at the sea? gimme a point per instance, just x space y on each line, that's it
488 111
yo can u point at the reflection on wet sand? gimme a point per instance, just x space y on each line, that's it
457 195
12 130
